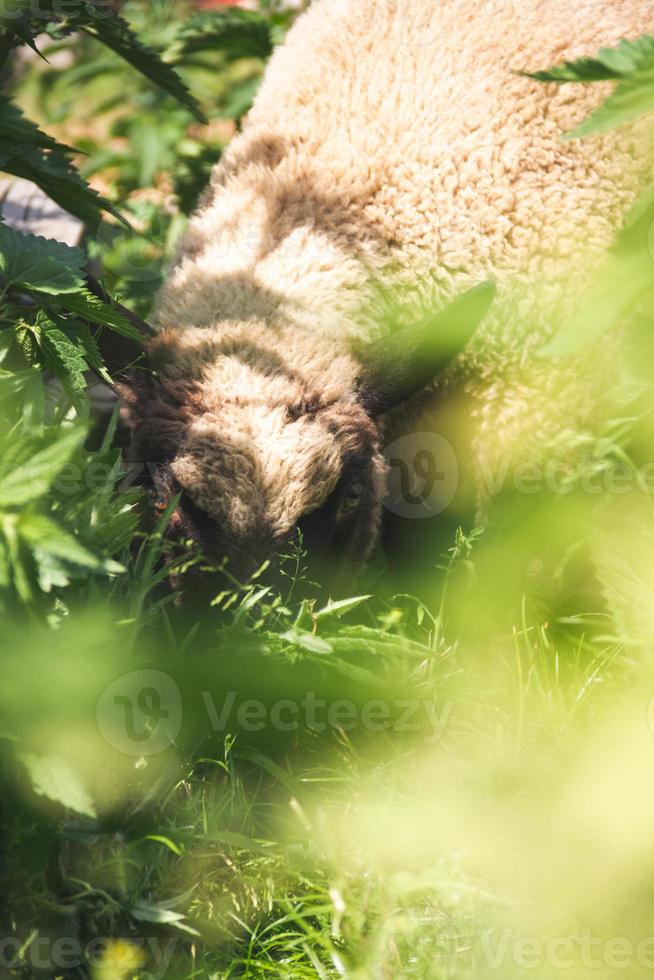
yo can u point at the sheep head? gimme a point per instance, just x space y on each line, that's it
269 437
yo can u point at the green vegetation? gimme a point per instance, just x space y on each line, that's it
452 786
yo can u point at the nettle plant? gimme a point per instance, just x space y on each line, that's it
61 517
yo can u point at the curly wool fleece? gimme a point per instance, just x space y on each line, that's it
395 141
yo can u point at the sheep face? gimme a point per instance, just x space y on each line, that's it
255 480
264 460
271 439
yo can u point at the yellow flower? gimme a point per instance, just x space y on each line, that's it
119 961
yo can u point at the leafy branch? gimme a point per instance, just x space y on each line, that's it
630 64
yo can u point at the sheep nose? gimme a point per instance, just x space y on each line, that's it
249 559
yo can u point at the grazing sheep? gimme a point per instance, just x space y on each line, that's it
393 149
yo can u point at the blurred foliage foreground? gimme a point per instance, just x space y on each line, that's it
374 787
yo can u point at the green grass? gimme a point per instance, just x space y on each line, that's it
337 852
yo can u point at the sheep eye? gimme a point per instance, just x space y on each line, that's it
351 500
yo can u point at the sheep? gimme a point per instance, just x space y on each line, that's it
395 148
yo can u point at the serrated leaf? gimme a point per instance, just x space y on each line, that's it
631 64
582 70
15 20
92 352
39 530
631 99
87 306
63 355
241 97
237 33
39 263
17 128
21 31
615 63
115 531
32 479
29 153
307 641
57 780
114 32
629 56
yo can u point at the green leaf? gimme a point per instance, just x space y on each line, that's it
237 33
582 70
114 32
341 606
307 641
167 842
91 351
15 20
623 283
631 64
241 97
631 99
228 838
283 776
39 263
149 912
29 153
5 570
87 306
51 572
57 780
115 530
34 401
14 560
32 479
11 9
65 357
16 128
620 287
609 63
39 530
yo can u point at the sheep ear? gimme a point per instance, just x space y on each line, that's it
398 366
118 350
